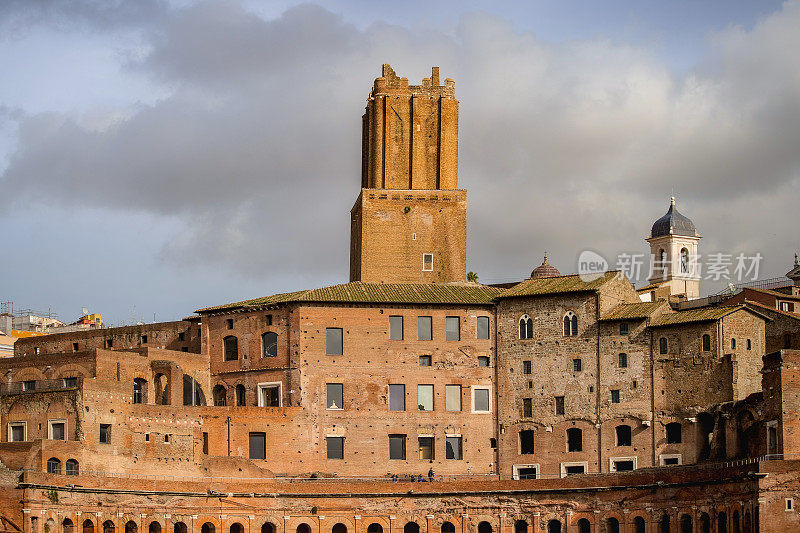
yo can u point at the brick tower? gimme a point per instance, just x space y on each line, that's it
409 224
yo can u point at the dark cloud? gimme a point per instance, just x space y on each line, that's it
563 147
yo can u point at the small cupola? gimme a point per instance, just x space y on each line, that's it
545 270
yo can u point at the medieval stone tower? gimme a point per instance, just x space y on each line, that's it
409 223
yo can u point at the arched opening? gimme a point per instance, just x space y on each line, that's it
684 261
303 528
154 527
71 467
220 395
570 324
236 527
663 524
231 347
67 526
268 527
339 528
375 528
612 525
639 525
49 526
109 527
207 527
525 327
735 522
584 526
88 526
179 527
269 344
663 347
193 392
161 389
686 524
520 526
411 527
448 527
240 395
484 527
139 390
705 523
748 522
706 342
722 523
131 527
554 526
53 466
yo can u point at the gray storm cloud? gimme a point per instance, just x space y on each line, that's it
566 146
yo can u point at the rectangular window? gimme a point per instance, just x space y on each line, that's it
527 407
333 341
229 323
427 262
29 385
395 328
526 472
70 383
424 328
622 465
526 442
615 396
526 367
181 336
574 440
483 327
452 397
205 442
334 393
559 405
258 446
105 433
623 360
335 447
453 328
577 365
574 470
480 400
483 360
424 360
426 448
57 429
425 397
397 447
144 339
16 432
397 397
269 395
268 319
623 328
453 448
110 343
74 346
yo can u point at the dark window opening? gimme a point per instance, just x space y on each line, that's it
231 347
526 442
673 433
623 435
258 446
574 440
269 344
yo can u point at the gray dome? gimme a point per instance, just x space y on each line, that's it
673 223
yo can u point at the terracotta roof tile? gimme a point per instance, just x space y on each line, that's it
557 285
633 311
704 314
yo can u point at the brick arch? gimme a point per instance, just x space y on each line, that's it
367 520
28 373
474 520
101 520
312 521
436 523
573 519
70 370
232 519
202 519
348 522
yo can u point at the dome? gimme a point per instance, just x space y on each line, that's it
545 270
673 223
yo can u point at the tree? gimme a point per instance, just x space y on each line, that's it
472 276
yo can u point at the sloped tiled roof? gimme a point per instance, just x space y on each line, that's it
360 292
704 314
632 311
557 285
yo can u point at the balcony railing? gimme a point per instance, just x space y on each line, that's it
40 385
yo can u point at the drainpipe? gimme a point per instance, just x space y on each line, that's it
597 385
229 436
652 394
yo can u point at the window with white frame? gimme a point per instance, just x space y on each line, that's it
481 399
57 429
17 431
622 464
526 471
574 468
670 459
270 394
427 262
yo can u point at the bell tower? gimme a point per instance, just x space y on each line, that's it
673 251
409 223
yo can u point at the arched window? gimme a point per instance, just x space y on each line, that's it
684 261
662 261
161 389
88 526
269 344
623 360
231 345
663 347
139 390
339 528
686 524
240 395
733 344
375 528
109 527
132 527
735 521
570 324
484 527
525 327
220 396
53 466
179 527
410 527
674 433
236 527
612 525
67 526
520 526
448 527
269 527
554 526
706 342
154 527
749 344
705 523
207 527
639 524
192 392
584 526
574 440
71 467
748 522
303 528
722 523
663 524
623 435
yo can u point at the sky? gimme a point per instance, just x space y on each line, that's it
157 157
